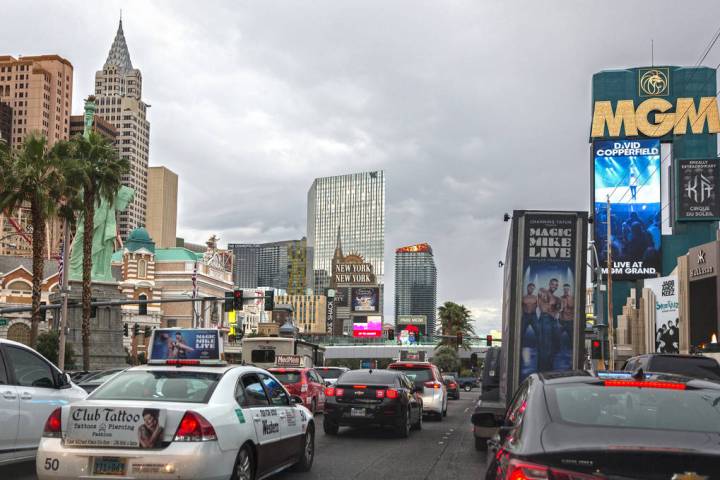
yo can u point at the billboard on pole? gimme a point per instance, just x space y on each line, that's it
628 173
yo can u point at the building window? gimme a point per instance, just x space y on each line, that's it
142 308
142 268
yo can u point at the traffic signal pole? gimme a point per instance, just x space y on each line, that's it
611 319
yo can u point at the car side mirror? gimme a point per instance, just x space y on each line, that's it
295 400
64 381
487 420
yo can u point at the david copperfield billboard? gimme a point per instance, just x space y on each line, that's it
628 173
552 281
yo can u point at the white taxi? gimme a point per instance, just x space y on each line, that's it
180 420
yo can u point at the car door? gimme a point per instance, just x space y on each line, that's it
414 398
38 396
9 405
266 421
289 417
318 389
513 418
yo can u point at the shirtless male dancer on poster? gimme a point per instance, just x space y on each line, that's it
549 305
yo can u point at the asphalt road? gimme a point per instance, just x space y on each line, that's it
441 450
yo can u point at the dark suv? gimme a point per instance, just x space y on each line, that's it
694 366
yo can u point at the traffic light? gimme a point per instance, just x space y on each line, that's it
136 330
473 359
148 331
237 300
269 300
93 309
229 302
43 313
595 349
459 338
488 340
125 329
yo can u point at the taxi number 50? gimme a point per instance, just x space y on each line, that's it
52 464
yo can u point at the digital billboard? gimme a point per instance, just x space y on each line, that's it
365 299
411 327
696 189
628 172
185 344
551 284
667 331
367 326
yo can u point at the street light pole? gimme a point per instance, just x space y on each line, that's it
598 290
611 319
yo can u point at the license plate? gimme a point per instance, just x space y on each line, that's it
357 412
109 466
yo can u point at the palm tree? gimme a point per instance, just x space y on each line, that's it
34 175
97 172
454 319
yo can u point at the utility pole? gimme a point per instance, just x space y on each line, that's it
64 292
611 319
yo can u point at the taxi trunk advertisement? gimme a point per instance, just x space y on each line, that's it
628 172
552 299
184 344
115 427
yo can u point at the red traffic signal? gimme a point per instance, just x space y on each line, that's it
596 349
238 299
489 340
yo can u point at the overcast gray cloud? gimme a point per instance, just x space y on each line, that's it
473 108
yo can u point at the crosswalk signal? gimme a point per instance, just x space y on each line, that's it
237 299
269 300
229 302
125 330
595 349
488 340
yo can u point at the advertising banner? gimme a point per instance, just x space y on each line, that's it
411 328
367 326
115 427
550 283
628 172
365 299
185 344
667 316
341 297
697 190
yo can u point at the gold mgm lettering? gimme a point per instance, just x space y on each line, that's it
637 120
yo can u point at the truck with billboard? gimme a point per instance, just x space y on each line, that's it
266 352
543 311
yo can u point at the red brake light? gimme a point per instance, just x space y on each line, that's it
330 391
520 470
182 362
432 384
392 393
53 425
453 385
360 386
194 428
380 394
643 384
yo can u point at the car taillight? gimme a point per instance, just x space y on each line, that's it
391 393
453 385
643 384
330 391
339 392
53 425
521 470
194 428
379 393
433 385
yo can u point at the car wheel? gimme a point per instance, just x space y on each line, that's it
403 428
308 454
467 388
481 444
244 465
418 425
330 427
313 407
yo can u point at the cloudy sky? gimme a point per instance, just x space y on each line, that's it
472 108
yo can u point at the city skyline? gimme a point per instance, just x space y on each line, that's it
247 113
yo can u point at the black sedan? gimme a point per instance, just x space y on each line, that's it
373 397
452 386
609 426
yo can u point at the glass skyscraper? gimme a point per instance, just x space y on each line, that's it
416 283
355 204
276 265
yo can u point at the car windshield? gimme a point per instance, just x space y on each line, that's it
287 377
99 378
417 375
330 373
694 410
448 379
692 367
159 386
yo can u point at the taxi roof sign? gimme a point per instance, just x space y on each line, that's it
186 346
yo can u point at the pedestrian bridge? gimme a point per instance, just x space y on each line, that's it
392 351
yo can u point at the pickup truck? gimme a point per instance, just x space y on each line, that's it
468 383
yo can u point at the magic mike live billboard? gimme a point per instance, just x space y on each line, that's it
627 172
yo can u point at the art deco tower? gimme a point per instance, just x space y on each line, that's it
118 88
